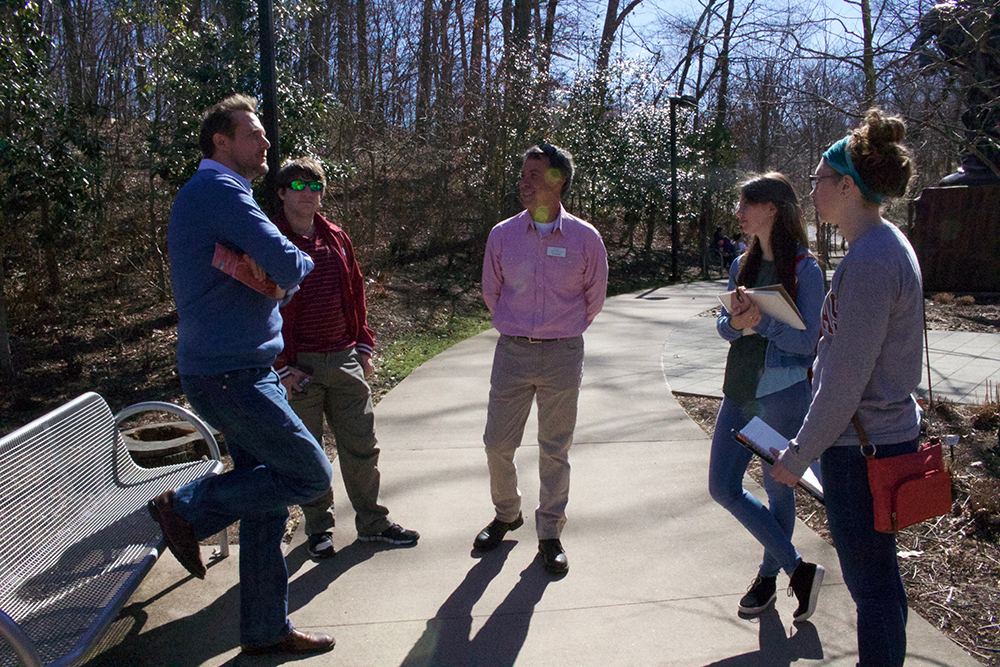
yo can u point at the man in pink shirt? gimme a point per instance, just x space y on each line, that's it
545 276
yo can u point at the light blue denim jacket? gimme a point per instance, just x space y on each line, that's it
786 345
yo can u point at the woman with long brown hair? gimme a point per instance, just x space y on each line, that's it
767 376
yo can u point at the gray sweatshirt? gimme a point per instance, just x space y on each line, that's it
869 356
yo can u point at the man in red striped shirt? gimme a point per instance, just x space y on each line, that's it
327 359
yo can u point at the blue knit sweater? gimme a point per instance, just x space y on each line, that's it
225 325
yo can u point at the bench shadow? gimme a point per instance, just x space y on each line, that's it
448 639
776 648
215 626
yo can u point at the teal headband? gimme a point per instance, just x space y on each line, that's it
839 157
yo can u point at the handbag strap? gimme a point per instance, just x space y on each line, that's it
862 437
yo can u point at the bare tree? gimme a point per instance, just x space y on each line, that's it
612 22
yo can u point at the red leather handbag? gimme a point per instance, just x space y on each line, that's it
908 488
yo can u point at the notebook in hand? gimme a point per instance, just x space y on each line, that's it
773 300
759 438
234 265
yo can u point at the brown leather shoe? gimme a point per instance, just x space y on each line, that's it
296 642
178 533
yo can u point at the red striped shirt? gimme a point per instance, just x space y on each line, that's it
322 325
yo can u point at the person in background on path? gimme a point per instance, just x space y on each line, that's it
868 364
327 359
545 277
739 246
767 377
227 339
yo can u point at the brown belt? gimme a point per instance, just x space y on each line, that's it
529 339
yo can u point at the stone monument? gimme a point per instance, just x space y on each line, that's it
956 230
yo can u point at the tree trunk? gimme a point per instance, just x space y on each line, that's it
612 21
316 58
72 55
722 110
463 44
446 59
344 81
548 32
49 251
522 22
364 69
424 71
868 57
475 85
6 361
139 67
651 217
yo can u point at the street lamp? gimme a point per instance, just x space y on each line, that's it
269 102
685 102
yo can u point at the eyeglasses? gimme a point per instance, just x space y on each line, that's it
315 186
814 179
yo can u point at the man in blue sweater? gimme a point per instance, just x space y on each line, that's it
228 336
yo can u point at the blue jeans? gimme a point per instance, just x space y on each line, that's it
867 557
772 526
277 463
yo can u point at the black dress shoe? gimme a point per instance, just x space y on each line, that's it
178 533
295 642
492 535
553 556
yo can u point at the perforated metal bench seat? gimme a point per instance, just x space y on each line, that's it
75 537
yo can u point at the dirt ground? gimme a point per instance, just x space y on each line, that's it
951 565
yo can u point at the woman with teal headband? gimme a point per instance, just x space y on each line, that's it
868 365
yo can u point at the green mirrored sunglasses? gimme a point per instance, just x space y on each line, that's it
315 186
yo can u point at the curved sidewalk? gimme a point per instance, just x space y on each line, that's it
965 366
657 568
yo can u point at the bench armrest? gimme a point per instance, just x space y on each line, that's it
24 648
161 406
200 426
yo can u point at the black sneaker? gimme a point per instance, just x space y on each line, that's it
321 545
394 534
804 584
761 593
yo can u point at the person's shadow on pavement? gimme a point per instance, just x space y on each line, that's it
447 641
776 648
303 588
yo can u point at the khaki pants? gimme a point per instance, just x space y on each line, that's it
338 391
550 373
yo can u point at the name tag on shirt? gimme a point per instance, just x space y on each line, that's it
552 251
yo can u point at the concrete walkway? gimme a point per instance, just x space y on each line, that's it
657 568
965 367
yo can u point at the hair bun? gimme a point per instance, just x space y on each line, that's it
882 161
882 129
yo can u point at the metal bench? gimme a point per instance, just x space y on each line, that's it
75 536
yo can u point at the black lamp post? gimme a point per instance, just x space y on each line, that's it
685 102
269 102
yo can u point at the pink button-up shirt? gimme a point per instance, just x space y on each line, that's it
544 286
